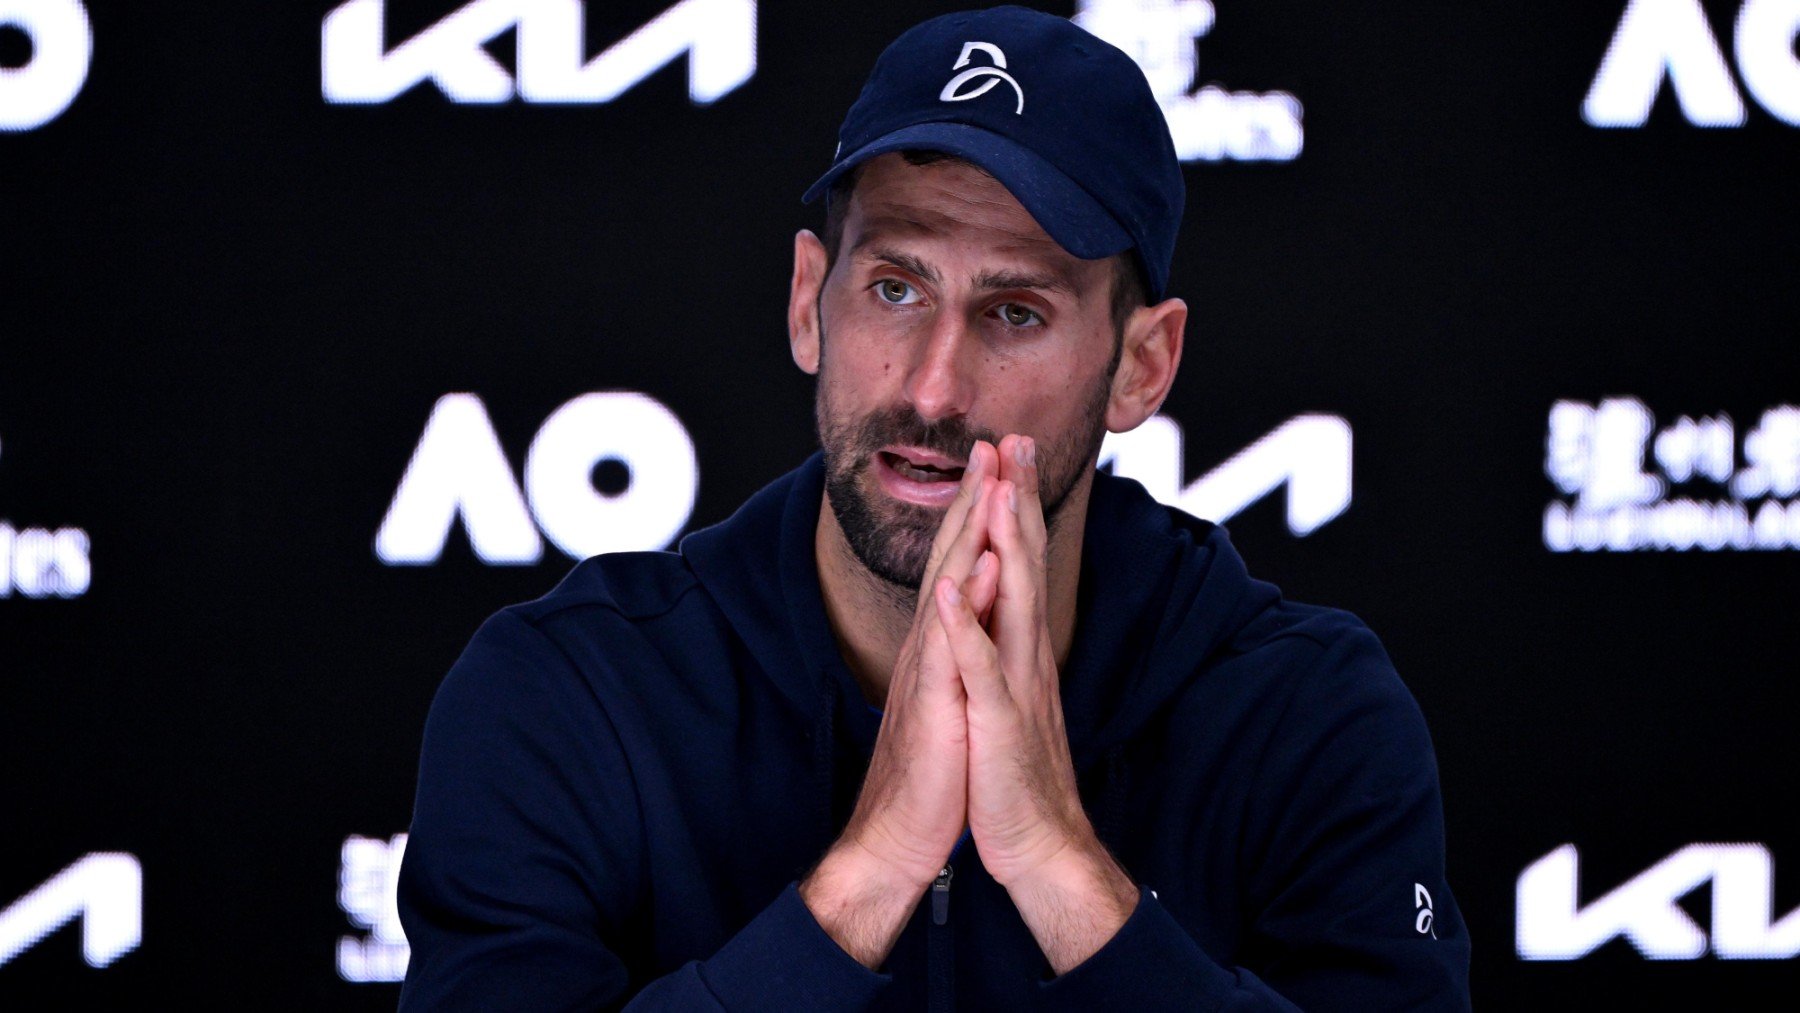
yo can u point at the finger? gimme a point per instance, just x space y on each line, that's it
982 463
975 656
1018 464
971 541
937 663
983 583
959 558
1018 621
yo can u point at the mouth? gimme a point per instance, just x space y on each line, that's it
921 466
918 476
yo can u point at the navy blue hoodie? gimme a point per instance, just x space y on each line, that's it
622 782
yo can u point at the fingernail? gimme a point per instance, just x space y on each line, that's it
1024 452
1012 498
951 593
1030 451
977 497
980 565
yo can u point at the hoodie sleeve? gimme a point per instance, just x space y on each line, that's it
1345 898
525 861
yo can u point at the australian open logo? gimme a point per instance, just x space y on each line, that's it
988 76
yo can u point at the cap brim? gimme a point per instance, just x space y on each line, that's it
1072 217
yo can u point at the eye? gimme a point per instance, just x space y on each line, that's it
895 291
1019 316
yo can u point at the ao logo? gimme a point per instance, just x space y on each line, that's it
1658 38
62 45
459 469
718 36
1646 911
994 75
104 889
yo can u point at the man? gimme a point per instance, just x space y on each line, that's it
946 659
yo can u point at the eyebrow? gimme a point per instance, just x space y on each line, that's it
1049 281
904 261
987 281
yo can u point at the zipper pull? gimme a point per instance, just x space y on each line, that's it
940 896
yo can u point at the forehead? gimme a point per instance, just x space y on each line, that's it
950 199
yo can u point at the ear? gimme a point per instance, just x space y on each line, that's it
803 300
1147 364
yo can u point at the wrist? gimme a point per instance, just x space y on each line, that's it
1083 869
849 861
1074 902
861 901
880 854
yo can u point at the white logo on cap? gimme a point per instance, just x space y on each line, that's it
994 75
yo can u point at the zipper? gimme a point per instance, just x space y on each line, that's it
940 887
940 896
940 947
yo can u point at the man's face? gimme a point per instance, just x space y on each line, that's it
950 316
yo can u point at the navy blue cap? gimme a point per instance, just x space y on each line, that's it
1064 120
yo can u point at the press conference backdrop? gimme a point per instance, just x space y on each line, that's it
327 329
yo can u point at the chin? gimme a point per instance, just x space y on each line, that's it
892 539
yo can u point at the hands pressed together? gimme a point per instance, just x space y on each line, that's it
973 735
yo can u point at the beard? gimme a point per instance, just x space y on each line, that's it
892 539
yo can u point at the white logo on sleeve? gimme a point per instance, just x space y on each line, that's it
995 74
1422 902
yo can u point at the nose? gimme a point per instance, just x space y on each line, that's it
940 385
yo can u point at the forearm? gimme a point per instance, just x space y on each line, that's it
860 902
1074 903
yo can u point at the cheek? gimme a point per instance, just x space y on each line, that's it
1050 401
852 385
861 362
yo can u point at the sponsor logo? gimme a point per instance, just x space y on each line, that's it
1620 473
43 563
1208 123
1660 40
1308 454
62 45
993 76
607 472
717 36
367 879
104 889
1645 910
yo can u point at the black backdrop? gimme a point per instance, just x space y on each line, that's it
228 307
